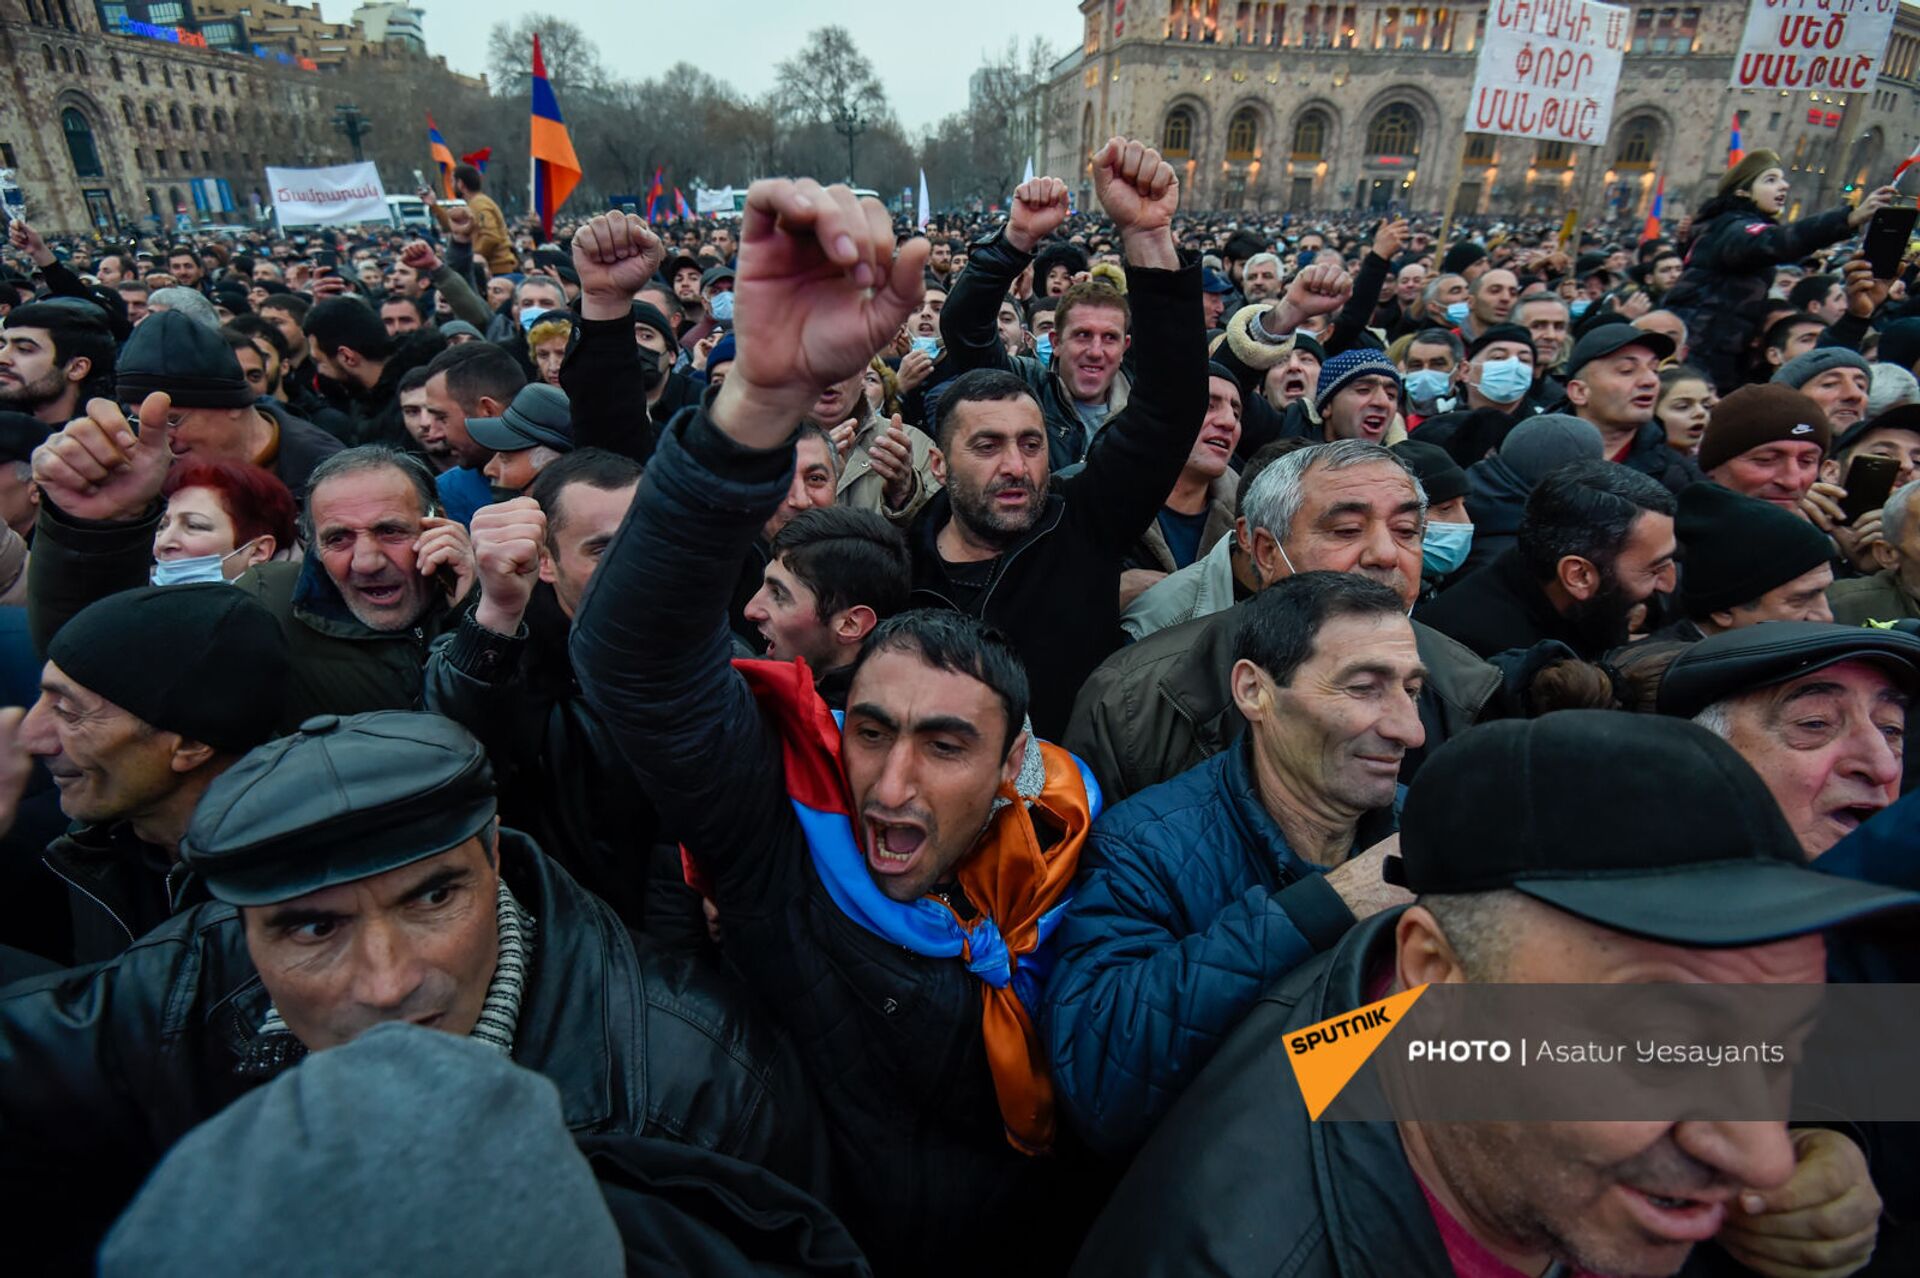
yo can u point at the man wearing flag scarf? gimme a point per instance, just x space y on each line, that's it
889 886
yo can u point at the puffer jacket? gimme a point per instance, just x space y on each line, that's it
1188 905
891 1039
560 774
1730 263
636 1041
1160 706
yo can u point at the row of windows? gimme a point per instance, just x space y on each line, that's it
51 13
163 162
1413 28
1394 130
74 62
1902 55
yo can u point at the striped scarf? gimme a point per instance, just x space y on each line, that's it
500 1011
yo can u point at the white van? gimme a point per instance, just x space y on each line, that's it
404 211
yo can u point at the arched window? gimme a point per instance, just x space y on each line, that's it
113 65
33 13
1638 141
174 202
66 15
66 62
200 118
231 91
79 62
1310 137
189 79
173 115
140 69
166 75
1243 133
126 111
219 120
46 54
1395 130
1086 131
86 156
1176 139
153 117
153 202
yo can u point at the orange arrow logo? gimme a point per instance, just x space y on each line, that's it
1326 1056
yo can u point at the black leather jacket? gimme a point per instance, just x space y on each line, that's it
102 1069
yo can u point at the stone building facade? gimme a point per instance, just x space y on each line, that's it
108 124
1359 105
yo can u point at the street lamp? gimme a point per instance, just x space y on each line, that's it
348 120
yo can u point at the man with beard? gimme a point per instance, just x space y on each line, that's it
1002 543
1595 540
476 380
53 357
422 427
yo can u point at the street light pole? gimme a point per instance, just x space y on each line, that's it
348 120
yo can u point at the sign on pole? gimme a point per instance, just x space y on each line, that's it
1549 70
336 196
1830 45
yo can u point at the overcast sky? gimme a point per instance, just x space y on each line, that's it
923 52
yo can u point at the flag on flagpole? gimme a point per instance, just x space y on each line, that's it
478 159
1906 164
556 170
926 210
1735 153
654 193
680 209
442 156
1652 229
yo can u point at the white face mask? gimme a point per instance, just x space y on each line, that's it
195 568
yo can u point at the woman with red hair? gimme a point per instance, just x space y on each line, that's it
222 518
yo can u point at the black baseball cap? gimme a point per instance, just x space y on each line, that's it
1581 810
676 263
1903 417
1753 657
538 416
1605 339
341 799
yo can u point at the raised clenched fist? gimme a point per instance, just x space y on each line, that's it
1039 208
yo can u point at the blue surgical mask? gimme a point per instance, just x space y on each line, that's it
1578 306
1456 312
1505 380
195 568
1425 386
1043 347
1444 547
530 315
928 346
720 306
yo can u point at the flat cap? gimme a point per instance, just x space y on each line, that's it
339 800
1753 657
1605 339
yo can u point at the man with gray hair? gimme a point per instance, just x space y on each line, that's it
1260 281
1893 593
1819 710
189 303
1442 291
1160 706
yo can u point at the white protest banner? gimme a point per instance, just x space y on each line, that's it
1830 45
1549 70
336 196
713 200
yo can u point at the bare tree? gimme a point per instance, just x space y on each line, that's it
831 82
979 152
572 57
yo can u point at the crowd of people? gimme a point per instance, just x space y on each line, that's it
874 739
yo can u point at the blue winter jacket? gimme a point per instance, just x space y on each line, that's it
1189 904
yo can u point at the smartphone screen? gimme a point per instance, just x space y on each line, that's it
1869 484
1886 240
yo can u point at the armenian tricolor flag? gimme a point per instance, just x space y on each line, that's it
680 209
1652 230
1735 152
556 170
442 156
654 194
478 159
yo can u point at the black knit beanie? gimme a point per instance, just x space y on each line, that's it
183 357
203 660
1737 548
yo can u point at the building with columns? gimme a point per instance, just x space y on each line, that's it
1289 106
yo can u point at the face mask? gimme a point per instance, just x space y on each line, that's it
721 306
530 315
1578 306
1444 547
1043 347
195 568
928 346
1456 312
1426 386
1505 380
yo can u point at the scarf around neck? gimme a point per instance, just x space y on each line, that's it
1019 886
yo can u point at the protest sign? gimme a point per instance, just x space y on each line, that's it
1816 45
1549 70
336 196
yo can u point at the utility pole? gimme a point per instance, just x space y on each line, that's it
348 120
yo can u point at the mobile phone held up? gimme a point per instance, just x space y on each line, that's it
1869 484
1886 239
